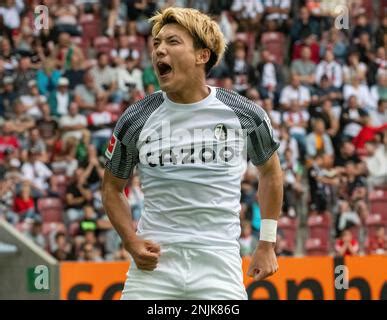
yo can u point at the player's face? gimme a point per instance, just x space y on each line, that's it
174 58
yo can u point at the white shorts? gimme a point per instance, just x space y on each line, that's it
188 274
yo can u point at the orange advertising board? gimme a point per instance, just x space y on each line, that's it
303 278
92 280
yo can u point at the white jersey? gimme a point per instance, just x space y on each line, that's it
190 159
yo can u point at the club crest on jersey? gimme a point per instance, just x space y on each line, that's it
110 148
220 132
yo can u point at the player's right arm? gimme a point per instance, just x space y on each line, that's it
144 252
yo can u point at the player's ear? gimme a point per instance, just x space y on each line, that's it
203 56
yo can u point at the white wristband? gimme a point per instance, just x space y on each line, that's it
268 231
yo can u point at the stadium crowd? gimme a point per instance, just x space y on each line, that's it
323 84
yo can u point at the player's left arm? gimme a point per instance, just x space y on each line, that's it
270 193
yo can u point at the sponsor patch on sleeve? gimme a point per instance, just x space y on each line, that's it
110 148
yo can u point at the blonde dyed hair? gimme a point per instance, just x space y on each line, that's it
205 31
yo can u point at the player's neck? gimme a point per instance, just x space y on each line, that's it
189 95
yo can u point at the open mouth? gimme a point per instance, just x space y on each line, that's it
163 68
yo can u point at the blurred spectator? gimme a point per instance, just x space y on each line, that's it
48 126
35 233
8 55
77 196
305 68
24 204
318 141
60 99
346 245
310 41
378 243
346 218
11 13
129 78
352 118
85 94
295 92
326 91
73 124
379 90
121 254
304 25
35 142
274 115
247 12
270 76
48 77
9 143
296 119
375 160
247 241
103 75
24 75
331 69
367 133
354 69
379 116
293 188
100 123
36 172
7 97
242 72
62 251
360 91
32 99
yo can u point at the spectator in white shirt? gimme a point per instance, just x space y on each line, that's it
36 172
11 13
129 78
295 91
360 91
73 124
379 116
277 9
296 120
379 90
247 9
354 69
331 69
104 76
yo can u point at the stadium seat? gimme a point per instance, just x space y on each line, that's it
103 44
275 43
90 27
50 209
316 247
289 227
373 222
319 226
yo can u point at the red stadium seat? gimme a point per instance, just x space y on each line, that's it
103 44
316 247
373 222
90 27
50 209
319 226
289 227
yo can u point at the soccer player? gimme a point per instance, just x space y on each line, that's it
189 142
